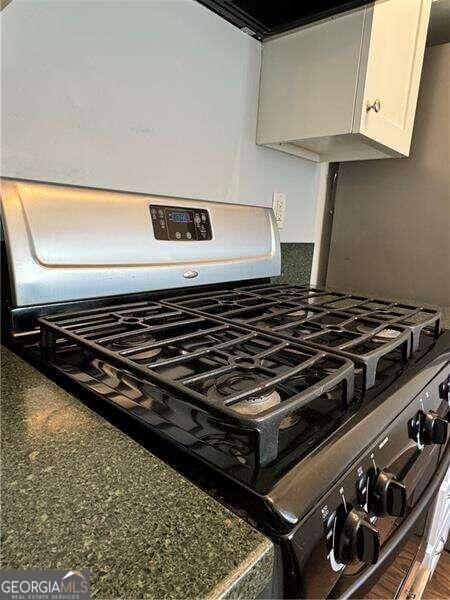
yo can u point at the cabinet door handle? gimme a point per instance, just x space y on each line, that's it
375 106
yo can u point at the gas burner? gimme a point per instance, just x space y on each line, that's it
300 313
256 404
385 334
136 340
388 334
232 384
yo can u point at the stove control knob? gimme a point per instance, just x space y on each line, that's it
428 428
387 495
355 536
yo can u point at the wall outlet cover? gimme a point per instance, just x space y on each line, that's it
279 208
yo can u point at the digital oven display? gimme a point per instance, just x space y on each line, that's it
181 217
180 224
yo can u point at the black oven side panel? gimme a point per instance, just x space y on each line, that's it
321 574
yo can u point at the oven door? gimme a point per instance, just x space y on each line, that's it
398 568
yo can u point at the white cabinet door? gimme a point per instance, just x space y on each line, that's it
394 64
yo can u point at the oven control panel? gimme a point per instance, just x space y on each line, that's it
180 224
368 503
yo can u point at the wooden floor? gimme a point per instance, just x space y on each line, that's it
439 585
388 585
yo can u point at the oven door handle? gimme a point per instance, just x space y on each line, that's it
391 545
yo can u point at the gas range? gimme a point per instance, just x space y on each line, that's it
319 416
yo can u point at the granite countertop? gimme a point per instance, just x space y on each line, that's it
79 494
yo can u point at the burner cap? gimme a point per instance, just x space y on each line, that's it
388 334
385 334
256 404
137 340
298 313
232 384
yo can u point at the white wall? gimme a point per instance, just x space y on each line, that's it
156 96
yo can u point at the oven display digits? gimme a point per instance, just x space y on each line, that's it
180 224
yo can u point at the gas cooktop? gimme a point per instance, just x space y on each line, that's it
245 390
252 379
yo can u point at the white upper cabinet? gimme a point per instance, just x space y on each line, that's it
345 89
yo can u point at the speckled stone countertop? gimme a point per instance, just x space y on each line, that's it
79 494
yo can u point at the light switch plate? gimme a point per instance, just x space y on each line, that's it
279 208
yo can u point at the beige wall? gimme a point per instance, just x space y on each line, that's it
391 230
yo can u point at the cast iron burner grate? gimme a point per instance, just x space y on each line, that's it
364 330
239 376
418 319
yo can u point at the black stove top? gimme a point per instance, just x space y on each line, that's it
265 396
236 380
253 379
